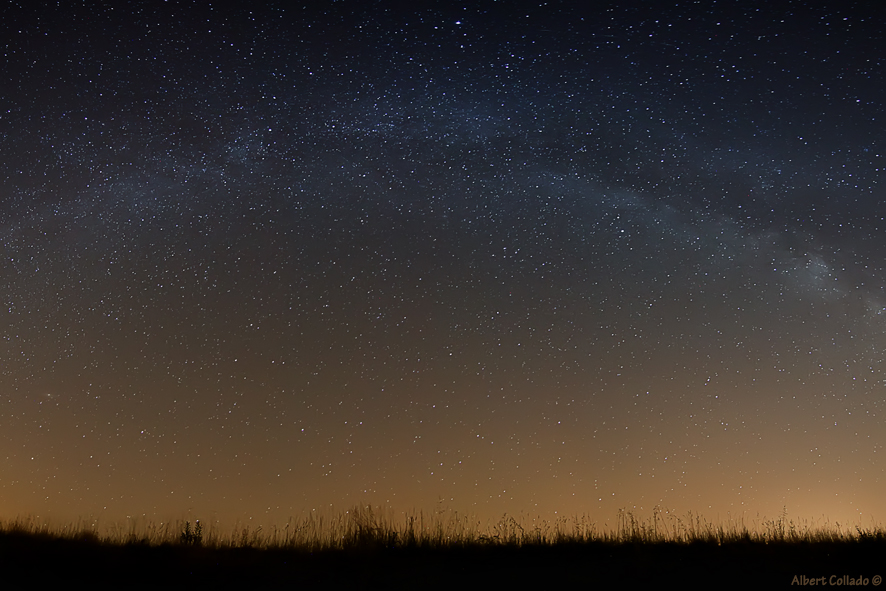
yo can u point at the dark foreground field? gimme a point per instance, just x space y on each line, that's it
372 558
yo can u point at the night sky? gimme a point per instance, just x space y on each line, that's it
492 257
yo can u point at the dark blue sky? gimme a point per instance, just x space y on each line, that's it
502 257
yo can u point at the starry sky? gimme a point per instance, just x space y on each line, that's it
551 258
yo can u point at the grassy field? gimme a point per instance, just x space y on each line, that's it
367 548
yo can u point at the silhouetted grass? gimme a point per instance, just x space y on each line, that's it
369 547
